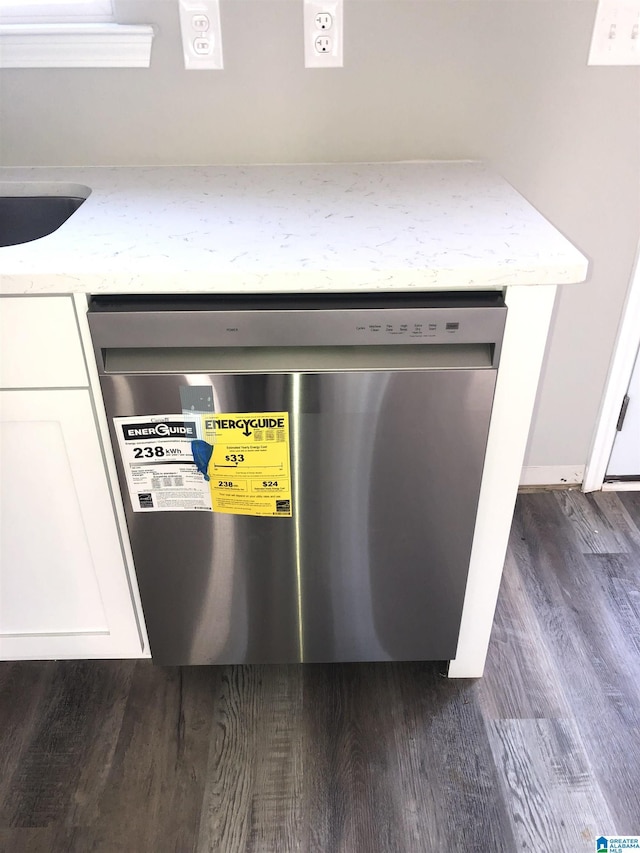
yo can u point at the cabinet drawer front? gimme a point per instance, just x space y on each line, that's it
40 343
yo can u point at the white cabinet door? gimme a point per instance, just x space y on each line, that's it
64 590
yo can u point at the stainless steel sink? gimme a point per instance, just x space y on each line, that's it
24 218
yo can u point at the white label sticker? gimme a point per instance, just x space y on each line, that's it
158 463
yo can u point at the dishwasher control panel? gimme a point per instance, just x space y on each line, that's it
413 329
304 320
225 322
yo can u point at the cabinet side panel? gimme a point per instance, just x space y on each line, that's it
523 348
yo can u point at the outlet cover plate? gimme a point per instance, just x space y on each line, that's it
201 34
323 33
616 33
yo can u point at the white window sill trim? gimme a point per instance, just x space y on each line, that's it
75 45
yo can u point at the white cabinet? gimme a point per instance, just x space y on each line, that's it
64 588
39 343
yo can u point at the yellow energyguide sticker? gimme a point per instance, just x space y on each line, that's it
249 470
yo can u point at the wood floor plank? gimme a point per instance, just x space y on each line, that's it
443 744
197 696
521 679
85 806
153 795
364 787
553 795
594 637
252 780
70 719
625 520
275 822
40 840
353 799
225 820
567 578
590 526
324 809
22 688
581 634
631 502
619 576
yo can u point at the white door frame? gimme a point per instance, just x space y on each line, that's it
624 357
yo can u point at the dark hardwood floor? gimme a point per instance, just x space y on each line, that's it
543 753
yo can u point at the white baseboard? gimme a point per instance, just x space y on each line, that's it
552 475
622 486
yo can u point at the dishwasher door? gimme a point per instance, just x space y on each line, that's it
372 565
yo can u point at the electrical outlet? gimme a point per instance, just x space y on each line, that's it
323 33
323 44
324 21
201 34
616 38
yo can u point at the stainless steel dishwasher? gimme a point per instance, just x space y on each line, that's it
341 529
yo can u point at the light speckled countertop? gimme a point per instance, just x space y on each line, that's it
252 229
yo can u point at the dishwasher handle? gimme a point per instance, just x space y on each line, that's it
337 359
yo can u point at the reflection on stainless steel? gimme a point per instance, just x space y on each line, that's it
386 468
348 551
214 629
297 515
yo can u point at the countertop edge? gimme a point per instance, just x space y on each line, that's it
349 281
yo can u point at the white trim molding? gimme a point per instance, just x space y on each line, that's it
523 348
621 486
620 372
552 475
75 45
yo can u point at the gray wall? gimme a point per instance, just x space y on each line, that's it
502 81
